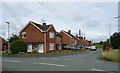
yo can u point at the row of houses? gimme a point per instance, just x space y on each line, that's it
44 38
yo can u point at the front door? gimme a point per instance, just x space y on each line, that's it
29 48
41 48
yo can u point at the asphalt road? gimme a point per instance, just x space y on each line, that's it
86 61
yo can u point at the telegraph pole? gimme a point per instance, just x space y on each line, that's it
110 27
8 38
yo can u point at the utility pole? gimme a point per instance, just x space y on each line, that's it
110 27
8 38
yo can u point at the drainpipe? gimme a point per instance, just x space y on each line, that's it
70 42
45 41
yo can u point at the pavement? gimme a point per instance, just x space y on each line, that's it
84 61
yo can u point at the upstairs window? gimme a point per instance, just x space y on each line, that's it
51 35
24 35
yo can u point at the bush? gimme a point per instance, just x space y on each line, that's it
18 46
34 51
83 49
104 46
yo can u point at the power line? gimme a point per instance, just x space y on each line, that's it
53 11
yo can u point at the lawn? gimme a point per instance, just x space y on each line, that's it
111 55
56 52
99 46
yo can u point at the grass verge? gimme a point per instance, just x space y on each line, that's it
111 55
56 52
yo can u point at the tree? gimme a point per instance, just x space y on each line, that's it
13 38
115 40
101 42
18 46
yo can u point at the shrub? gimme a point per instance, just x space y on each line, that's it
34 51
104 46
18 46
83 49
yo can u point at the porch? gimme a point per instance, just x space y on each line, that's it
35 47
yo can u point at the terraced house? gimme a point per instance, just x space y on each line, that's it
40 37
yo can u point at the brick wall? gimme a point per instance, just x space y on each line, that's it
32 34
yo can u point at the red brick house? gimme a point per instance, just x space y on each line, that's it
79 41
1 44
83 42
58 41
41 38
68 40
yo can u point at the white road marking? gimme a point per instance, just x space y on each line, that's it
67 59
99 61
11 61
83 60
43 58
54 58
51 64
97 69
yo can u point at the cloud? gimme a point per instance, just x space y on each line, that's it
91 17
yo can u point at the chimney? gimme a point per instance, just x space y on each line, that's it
69 31
84 38
79 32
44 23
76 35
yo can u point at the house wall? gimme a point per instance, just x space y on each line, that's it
1 43
32 34
50 40
67 40
59 41
84 42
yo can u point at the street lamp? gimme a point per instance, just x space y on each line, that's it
8 38
110 26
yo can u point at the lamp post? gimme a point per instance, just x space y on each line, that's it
8 38
110 27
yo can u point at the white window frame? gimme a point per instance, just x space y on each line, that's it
51 46
51 35
23 33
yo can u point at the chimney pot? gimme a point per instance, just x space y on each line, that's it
44 23
69 31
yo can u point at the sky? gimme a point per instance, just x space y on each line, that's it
92 18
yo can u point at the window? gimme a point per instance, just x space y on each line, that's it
75 41
24 35
51 46
51 35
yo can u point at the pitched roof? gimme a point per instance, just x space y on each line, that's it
42 27
70 34
58 34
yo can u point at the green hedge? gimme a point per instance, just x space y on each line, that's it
18 46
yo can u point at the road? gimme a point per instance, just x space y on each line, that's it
86 61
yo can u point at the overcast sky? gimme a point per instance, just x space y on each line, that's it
91 17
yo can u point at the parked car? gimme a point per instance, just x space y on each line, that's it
93 48
87 47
